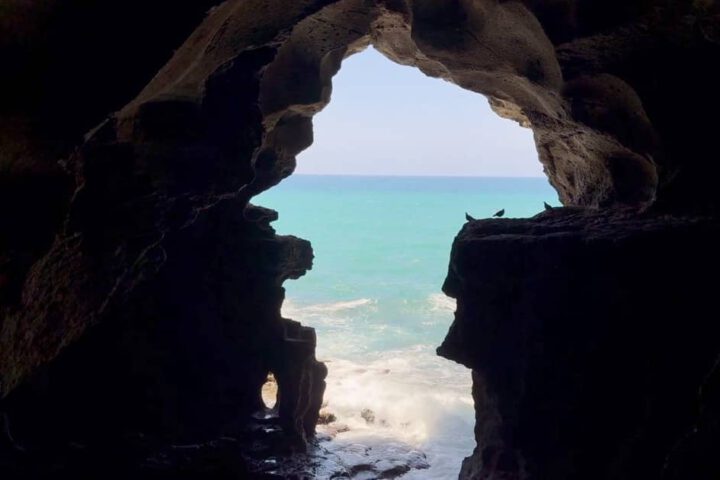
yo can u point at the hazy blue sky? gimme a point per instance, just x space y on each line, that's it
388 119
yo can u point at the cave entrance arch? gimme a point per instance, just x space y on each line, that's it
224 119
240 95
495 49
390 386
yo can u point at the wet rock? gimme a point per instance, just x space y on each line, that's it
368 415
335 428
382 460
326 418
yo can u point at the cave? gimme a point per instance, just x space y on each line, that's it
380 194
141 290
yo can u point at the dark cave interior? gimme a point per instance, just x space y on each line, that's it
141 291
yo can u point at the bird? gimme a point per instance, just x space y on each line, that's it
499 213
547 206
469 217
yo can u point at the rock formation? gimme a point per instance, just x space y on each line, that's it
576 375
141 291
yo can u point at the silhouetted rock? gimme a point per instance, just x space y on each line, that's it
140 293
589 335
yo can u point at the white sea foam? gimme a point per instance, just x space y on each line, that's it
403 396
439 302
291 309
409 396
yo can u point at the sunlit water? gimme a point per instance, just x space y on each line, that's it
381 254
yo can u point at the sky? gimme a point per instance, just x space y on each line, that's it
389 119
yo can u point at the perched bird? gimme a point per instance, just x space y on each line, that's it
500 213
547 206
468 217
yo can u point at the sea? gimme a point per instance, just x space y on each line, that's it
374 297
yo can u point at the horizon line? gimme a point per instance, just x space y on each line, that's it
410 175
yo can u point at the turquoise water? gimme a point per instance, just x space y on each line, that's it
382 246
374 297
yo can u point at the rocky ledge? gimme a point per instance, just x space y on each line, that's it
590 335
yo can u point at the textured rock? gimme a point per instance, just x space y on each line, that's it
69 65
159 299
594 138
147 354
148 301
590 336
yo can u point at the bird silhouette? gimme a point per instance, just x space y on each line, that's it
469 218
499 213
547 206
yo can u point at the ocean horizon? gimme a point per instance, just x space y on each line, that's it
414 176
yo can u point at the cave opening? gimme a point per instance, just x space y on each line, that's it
397 159
149 316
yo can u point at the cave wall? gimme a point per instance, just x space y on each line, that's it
68 65
136 278
590 336
158 299
594 138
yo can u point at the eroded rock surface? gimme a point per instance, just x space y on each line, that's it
590 336
140 292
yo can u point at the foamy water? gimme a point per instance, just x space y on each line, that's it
410 396
440 302
407 395
381 255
